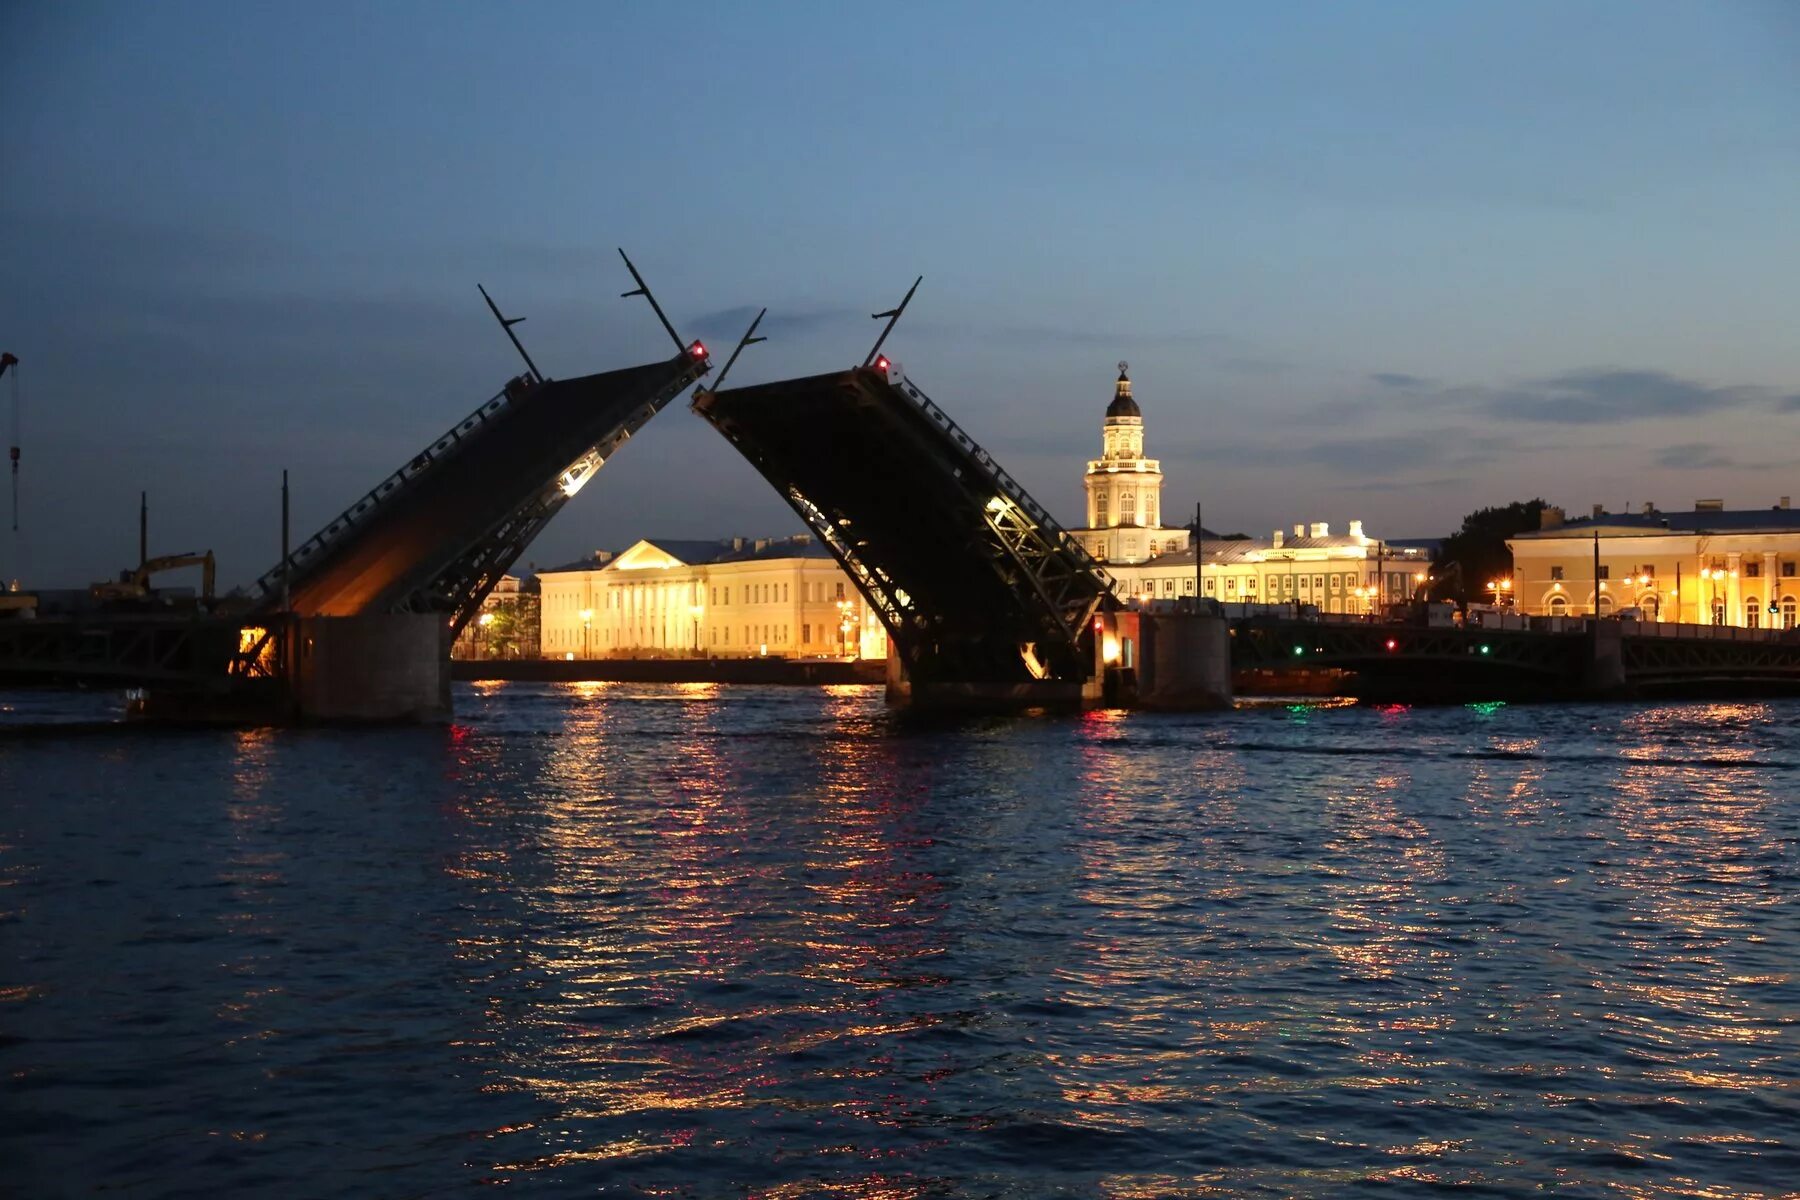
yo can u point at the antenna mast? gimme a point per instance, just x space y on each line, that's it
643 289
893 316
506 323
746 340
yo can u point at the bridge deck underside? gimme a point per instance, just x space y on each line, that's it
419 535
908 505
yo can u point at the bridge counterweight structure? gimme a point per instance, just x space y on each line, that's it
437 534
973 579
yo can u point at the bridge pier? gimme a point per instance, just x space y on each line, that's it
1603 674
374 667
1186 662
978 696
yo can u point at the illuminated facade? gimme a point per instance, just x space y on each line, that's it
1124 489
1713 566
740 598
1350 573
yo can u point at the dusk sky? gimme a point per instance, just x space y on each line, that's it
1382 261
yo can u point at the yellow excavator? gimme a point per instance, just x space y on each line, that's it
135 584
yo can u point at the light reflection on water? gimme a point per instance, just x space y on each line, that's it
690 940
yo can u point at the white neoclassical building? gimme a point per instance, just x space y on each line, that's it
1124 489
1711 566
737 598
1350 572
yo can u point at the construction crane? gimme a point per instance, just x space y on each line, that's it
8 359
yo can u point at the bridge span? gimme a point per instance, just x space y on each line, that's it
437 534
978 586
1558 659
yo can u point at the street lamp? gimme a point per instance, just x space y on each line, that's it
843 607
587 618
481 624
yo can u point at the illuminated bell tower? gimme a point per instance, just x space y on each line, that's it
1123 487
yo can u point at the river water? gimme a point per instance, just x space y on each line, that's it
699 941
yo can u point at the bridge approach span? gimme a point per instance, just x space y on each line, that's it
973 579
436 535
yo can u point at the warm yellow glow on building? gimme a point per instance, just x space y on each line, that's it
1710 566
779 598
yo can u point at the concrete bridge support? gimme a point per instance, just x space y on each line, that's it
374 667
985 696
1186 662
1604 672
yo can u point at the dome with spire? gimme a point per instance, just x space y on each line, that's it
1122 404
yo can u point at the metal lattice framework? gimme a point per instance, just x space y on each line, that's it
192 651
436 535
1266 643
974 580
1705 656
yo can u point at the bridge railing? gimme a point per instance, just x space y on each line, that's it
443 448
1051 528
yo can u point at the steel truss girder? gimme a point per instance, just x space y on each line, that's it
459 588
203 653
1064 576
1058 587
1260 642
1652 659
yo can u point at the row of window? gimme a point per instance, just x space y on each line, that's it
1305 585
1753 610
1789 568
1127 509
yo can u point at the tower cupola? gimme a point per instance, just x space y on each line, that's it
1122 404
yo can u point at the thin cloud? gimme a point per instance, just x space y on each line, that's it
1394 379
731 322
1701 456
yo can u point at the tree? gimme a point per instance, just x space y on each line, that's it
503 630
1479 548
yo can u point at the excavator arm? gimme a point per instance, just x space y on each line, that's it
171 562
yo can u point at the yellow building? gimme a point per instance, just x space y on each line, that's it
1349 573
1713 565
739 598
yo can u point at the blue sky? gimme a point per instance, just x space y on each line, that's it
1388 261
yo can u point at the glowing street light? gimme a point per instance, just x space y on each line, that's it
587 618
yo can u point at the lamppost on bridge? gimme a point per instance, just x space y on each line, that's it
587 618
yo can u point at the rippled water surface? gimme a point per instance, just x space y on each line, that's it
691 941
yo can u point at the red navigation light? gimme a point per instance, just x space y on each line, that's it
698 350
881 362
1099 623
1392 644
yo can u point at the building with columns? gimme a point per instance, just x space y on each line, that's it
737 598
1124 489
1712 566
